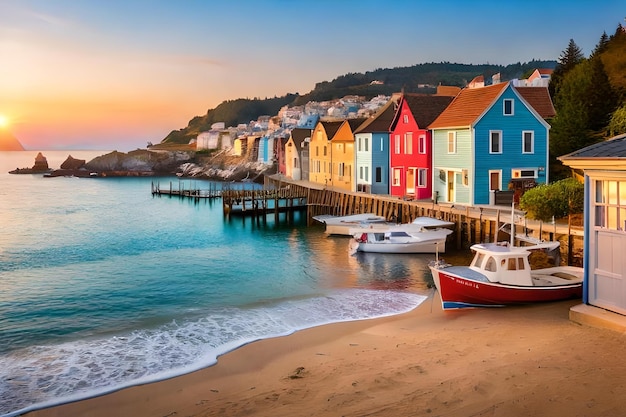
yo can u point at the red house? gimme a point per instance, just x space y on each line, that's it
410 150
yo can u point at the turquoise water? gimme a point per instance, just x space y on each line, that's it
104 286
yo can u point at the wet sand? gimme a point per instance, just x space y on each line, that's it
513 361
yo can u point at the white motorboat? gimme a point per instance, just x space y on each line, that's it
341 225
398 239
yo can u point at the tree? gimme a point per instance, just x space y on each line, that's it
567 61
602 45
584 103
617 125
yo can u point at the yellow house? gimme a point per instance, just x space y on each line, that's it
342 155
319 151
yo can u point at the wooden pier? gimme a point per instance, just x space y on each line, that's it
180 190
474 224
265 201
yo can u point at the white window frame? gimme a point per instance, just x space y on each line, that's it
408 143
608 204
422 177
405 118
499 172
396 144
422 144
504 103
397 175
451 142
491 141
532 141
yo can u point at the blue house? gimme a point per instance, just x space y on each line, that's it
490 139
372 149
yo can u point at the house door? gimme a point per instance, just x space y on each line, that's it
410 181
607 272
451 180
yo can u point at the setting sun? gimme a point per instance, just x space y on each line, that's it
4 121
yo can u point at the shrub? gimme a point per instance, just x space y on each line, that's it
554 200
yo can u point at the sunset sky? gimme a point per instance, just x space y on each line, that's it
115 74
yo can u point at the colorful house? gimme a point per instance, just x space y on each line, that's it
298 141
319 151
372 150
490 139
342 155
604 285
410 155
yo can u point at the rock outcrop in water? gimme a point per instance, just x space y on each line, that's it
40 167
145 163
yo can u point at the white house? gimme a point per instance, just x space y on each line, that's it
604 290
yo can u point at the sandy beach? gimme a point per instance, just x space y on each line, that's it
514 361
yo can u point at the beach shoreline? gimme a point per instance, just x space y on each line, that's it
526 360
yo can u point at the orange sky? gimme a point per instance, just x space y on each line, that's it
116 74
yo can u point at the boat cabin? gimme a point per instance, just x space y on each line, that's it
502 263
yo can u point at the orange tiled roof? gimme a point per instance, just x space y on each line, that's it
467 106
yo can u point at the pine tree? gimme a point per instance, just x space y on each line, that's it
601 46
568 59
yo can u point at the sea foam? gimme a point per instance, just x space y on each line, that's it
42 376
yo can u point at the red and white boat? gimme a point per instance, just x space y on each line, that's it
500 274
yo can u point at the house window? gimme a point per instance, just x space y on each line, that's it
609 205
382 144
495 141
295 162
397 172
359 144
341 167
324 150
317 151
422 179
528 141
422 144
367 174
396 144
366 144
451 142
508 109
379 174
405 118
408 143
465 175
360 173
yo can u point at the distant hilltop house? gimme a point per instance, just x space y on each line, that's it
216 138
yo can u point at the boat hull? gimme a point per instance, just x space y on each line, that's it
460 292
388 247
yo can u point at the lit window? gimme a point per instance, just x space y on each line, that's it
451 142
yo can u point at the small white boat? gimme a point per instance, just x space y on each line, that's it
340 225
400 240
428 223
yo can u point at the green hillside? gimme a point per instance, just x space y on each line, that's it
417 78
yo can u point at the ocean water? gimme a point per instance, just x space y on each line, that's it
104 286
